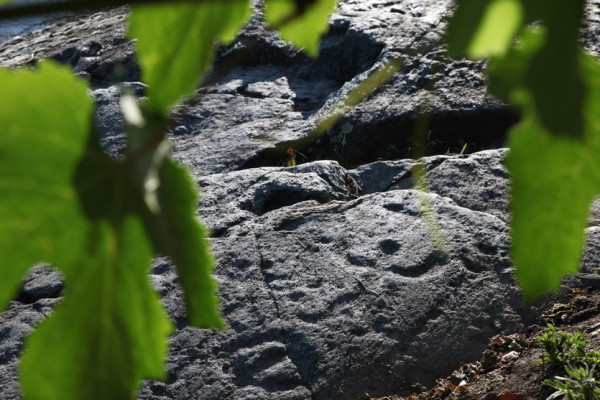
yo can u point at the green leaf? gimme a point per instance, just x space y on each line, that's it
554 180
173 226
507 74
176 232
301 22
483 28
110 330
146 146
551 195
553 76
106 187
176 44
40 147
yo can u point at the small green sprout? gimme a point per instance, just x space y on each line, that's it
562 348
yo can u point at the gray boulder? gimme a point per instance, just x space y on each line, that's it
328 294
354 296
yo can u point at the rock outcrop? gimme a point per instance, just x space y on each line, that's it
335 287
330 282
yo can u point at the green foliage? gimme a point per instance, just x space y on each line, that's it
175 43
570 351
175 232
562 348
482 28
552 75
555 173
110 330
552 189
110 317
579 385
301 22
99 220
41 217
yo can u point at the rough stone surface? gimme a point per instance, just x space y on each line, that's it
363 37
279 94
93 46
345 286
330 284
330 295
486 188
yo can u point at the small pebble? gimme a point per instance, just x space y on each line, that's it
513 355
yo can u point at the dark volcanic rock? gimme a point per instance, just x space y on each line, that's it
278 82
233 198
94 46
330 284
251 112
42 283
330 295
486 188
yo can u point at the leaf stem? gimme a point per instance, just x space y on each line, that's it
149 146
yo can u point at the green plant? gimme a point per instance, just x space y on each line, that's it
563 348
580 384
559 347
463 148
538 66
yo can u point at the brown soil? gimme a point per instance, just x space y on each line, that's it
511 367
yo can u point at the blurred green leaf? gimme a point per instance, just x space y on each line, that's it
487 28
301 22
554 180
176 44
105 186
483 28
554 77
110 330
507 74
40 147
550 199
146 149
173 226
169 211
500 23
176 232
